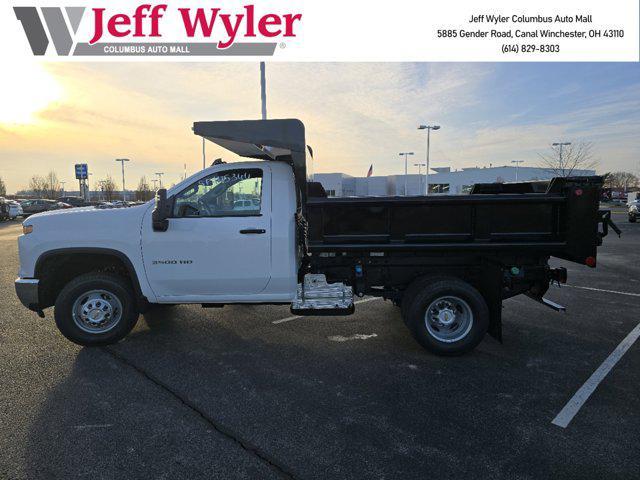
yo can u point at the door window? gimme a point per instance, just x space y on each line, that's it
222 194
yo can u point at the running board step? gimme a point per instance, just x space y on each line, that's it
314 296
324 312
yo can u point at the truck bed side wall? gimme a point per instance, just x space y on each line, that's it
562 222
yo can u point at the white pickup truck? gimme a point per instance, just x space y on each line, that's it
217 250
259 232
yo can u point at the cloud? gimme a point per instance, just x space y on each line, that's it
355 113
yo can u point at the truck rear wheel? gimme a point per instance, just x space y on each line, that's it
447 316
96 309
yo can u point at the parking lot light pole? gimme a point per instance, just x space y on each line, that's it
420 165
517 162
159 174
122 160
561 144
263 90
428 128
406 155
204 155
88 188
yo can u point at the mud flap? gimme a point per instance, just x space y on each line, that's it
495 320
492 292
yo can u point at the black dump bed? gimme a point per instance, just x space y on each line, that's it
562 220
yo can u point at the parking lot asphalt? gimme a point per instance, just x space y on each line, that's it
228 393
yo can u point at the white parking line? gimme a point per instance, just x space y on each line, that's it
630 294
582 395
101 425
288 319
357 336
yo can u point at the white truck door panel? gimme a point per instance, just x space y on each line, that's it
219 242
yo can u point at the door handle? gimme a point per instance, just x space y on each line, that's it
253 231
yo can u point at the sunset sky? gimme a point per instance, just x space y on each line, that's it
53 115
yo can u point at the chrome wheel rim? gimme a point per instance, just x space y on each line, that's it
97 311
448 319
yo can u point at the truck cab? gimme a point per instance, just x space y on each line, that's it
230 237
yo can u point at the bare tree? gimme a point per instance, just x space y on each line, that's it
53 189
97 186
143 192
108 187
621 180
564 159
3 188
38 186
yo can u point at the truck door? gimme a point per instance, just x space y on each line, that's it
218 242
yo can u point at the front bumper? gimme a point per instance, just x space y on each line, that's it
27 291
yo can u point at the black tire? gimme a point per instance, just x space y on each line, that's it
470 306
632 218
412 290
115 286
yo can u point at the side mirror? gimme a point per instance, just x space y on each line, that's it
162 212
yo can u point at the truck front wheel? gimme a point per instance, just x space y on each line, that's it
447 316
96 309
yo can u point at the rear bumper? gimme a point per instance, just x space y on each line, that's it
27 291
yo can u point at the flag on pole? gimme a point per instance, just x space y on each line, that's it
370 172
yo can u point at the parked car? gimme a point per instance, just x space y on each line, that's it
74 201
634 211
103 205
247 205
117 204
15 210
30 207
4 209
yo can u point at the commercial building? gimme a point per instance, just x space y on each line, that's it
442 180
337 184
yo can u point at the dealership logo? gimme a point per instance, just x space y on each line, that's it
210 31
60 34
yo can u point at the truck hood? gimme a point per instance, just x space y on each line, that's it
62 211
117 229
88 220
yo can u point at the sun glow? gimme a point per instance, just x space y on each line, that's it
25 90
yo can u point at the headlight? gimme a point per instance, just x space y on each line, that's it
27 229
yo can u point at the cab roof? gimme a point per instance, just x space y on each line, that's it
275 140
